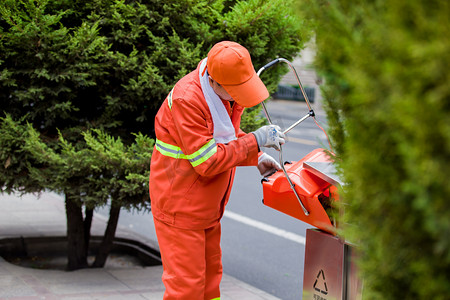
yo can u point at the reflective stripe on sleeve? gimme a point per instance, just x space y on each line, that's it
196 158
169 150
169 99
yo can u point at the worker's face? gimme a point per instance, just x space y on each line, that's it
219 90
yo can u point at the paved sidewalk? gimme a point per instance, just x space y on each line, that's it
31 216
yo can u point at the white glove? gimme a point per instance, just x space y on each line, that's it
267 165
270 136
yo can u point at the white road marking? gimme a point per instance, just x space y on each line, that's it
302 141
266 227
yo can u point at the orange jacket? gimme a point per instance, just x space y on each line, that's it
191 175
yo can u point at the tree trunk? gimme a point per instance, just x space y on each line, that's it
108 238
89 213
76 246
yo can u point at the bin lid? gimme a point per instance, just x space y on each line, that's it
325 171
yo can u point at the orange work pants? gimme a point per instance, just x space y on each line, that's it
192 262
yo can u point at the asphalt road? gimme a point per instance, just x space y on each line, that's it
261 246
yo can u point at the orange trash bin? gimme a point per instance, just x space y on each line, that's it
316 190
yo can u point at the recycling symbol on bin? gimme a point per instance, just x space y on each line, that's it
320 284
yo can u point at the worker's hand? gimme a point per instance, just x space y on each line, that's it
270 136
267 165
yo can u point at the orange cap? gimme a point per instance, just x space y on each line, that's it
231 66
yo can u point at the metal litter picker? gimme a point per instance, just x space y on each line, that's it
306 190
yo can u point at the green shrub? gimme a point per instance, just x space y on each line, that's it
387 94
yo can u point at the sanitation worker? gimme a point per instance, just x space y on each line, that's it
198 145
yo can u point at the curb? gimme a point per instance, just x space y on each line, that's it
21 247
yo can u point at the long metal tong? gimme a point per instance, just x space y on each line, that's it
309 114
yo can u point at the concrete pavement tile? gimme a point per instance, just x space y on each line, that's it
71 297
88 281
16 290
57 277
88 287
121 297
136 273
144 284
10 280
232 288
92 296
61 282
143 278
14 286
76 276
239 294
153 295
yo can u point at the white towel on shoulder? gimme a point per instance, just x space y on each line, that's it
223 128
